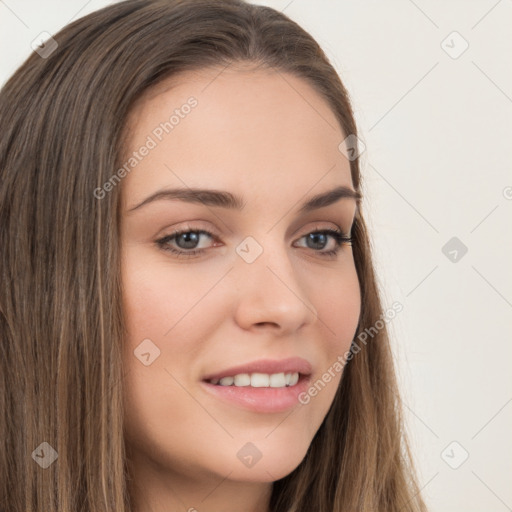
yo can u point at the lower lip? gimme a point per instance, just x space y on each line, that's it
261 399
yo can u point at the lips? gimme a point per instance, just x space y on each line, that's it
260 400
270 366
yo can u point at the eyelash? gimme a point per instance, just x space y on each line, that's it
340 238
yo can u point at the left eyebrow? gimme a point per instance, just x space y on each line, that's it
224 199
330 197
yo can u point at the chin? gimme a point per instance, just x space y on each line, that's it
269 473
273 465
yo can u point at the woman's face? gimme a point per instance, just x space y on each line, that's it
259 289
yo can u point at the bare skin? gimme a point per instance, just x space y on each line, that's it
273 142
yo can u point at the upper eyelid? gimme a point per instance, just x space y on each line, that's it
317 225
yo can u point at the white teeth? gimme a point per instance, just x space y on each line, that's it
277 380
242 379
259 380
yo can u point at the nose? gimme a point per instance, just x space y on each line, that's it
272 293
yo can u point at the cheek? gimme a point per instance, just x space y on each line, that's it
170 312
161 320
159 299
338 303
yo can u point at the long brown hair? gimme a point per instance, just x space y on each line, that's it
62 120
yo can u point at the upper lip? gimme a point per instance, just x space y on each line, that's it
270 366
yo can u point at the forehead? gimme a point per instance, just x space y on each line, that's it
239 127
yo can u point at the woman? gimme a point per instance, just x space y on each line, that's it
173 336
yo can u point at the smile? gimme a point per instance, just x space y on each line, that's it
259 380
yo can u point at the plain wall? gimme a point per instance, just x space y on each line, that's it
437 128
